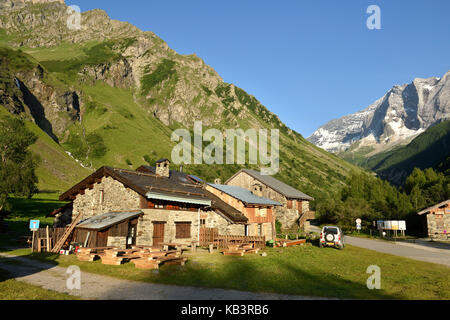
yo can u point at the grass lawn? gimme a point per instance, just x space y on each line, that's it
36 208
307 270
11 289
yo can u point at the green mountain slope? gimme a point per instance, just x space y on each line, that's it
112 95
57 170
428 150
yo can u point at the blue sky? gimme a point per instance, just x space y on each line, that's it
306 61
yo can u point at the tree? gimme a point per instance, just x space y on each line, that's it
17 164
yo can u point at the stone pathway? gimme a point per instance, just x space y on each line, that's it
101 287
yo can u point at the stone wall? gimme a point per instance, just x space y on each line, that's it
63 219
434 231
215 220
116 198
253 231
170 217
120 242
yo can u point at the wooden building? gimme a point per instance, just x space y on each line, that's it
257 209
109 229
295 205
438 220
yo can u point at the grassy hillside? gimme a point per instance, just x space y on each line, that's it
57 170
428 150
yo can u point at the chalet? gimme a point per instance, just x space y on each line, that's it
438 220
294 209
257 209
149 206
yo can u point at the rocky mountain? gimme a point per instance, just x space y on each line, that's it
111 94
402 114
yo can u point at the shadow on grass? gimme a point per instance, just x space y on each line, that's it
24 210
284 278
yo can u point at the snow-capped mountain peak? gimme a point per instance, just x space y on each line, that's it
403 113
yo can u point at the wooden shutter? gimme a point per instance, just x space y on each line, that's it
289 204
183 230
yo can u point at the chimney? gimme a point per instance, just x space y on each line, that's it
163 168
218 181
257 190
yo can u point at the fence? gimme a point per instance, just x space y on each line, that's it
211 236
41 235
223 242
208 236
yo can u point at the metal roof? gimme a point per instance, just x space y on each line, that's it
244 195
281 187
159 196
107 220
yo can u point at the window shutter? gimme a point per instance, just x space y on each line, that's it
183 230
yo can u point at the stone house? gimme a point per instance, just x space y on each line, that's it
294 209
166 206
438 220
258 210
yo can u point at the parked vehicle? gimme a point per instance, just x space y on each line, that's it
332 237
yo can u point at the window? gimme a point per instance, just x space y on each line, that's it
202 222
260 230
102 196
183 230
159 205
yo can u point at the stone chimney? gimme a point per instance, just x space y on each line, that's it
257 190
163 168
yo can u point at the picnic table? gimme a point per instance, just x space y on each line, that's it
168 245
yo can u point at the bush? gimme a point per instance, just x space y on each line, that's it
97 146
165 70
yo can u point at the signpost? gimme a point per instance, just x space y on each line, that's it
34 226
358 224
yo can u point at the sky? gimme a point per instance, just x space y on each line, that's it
307 61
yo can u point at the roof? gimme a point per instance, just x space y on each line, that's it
60 210
244 195
163 160
228 211
442 204
281 187
107 220
142 182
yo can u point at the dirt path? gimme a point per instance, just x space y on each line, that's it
408 250
95 286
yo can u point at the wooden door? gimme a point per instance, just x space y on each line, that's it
158 233
102 238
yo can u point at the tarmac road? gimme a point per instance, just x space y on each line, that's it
402 249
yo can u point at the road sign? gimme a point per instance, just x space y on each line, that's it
358 226
34 225
358 221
